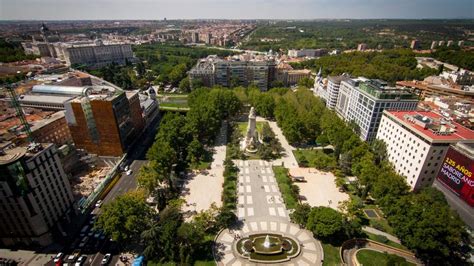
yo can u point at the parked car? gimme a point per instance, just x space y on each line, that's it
106 259
129 172
58 257
98 204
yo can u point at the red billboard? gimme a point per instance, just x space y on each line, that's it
457 172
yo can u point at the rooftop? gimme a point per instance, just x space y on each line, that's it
43 122
338 79
380 90
65 90
45 98
432 126
11 155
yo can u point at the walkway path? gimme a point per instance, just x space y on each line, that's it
351 247
372 230
203 189
288 159
260 210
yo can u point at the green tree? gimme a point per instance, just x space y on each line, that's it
301 214
184 85
426 224
126 217
195 151
326 223
306 82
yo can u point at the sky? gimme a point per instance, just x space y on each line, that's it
232 9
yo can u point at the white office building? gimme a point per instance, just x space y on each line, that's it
363 101
417 142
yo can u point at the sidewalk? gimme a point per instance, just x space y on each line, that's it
288 158
381 233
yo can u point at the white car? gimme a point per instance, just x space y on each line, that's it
126 168
98 204
129 172
81 260
106 259
59 256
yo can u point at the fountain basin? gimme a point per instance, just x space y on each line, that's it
267 248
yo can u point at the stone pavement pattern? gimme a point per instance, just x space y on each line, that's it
261 209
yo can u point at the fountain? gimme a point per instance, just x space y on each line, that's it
267 248
267 243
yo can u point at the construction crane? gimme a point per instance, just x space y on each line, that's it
19 111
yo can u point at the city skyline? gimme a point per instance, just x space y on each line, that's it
212 9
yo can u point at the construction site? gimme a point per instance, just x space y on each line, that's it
85 171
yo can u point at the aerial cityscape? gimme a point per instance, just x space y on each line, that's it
266 132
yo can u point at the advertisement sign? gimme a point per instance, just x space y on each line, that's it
457 173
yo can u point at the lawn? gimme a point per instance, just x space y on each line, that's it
285 185
374 258
331 255
243 127
319 159
174 101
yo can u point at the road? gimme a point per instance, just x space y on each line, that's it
95 249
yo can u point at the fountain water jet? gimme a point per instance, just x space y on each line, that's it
267 242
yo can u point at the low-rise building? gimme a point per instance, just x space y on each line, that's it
417 143
307 53
52 129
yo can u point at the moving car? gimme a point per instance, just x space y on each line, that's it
81 260
58 257
106 259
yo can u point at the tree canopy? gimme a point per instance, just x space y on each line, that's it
126 217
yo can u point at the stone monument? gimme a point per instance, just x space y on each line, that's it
251 139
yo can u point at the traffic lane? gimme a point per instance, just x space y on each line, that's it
109 247
125 183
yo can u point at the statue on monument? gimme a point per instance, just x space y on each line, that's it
251 139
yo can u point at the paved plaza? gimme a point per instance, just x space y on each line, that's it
261 210
319 188
203 189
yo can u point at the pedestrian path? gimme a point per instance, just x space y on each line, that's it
311 250
258 193
261 210
381 233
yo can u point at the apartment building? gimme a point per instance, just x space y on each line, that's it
417 143
35 195
334 82
363 101
230 72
